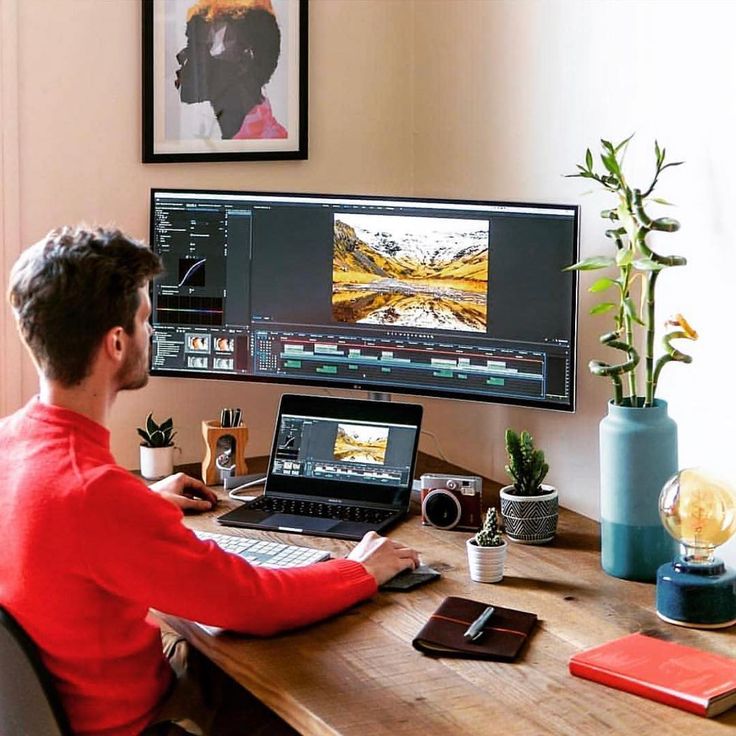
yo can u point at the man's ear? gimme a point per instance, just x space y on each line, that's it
113 344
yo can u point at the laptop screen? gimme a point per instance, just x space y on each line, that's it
343 448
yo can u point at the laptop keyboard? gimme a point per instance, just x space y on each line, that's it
264 553
320 510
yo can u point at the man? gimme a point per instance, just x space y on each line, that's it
87 547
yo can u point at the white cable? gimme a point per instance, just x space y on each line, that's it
234 491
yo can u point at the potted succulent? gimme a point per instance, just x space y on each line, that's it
487 551
638 440
157 448
528 506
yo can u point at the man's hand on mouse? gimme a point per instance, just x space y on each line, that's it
383 557
188 493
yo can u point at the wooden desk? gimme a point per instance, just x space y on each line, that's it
357 674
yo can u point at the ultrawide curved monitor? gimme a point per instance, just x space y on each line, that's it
449 298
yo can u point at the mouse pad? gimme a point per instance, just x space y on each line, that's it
409 579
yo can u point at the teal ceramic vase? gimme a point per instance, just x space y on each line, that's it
638 452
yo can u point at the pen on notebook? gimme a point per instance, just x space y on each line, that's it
475 630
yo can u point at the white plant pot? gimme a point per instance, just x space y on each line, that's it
486 563
157 462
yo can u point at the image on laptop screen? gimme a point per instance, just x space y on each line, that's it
348 451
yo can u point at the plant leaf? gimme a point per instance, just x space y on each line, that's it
624 257
588 159
623 143
151 426
167 425
631 311
646 264
602 308
143 434
591 264
602 285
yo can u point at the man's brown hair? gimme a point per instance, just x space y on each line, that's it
73 286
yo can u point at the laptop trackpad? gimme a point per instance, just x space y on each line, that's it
292 521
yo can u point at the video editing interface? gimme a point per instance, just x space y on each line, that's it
344 450
451 298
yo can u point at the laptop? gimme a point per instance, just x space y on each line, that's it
338 468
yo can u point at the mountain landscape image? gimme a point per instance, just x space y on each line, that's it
360 443
412 271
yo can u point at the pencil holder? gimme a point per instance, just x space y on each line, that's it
225 451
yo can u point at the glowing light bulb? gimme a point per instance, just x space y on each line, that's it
699 511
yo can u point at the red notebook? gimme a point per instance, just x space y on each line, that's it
700 682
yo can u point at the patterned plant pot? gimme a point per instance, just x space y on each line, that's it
530 519
486 564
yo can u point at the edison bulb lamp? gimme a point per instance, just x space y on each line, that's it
696 589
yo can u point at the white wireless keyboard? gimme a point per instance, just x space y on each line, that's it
263 553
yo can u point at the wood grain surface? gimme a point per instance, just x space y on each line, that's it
357 673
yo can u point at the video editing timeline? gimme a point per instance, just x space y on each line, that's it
409 361
458 299
336 449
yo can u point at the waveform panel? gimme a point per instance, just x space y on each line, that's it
173 309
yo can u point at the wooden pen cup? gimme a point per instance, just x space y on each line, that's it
225 451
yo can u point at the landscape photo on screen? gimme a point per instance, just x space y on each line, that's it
426 272
361 443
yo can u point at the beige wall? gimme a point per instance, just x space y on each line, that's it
508 95
78 84
469 98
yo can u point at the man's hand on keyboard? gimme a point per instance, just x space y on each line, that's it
188 493
383 557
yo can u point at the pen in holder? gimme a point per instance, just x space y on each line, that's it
225 451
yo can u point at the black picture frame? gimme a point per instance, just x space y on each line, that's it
189 131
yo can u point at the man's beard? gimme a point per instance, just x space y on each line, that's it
133 373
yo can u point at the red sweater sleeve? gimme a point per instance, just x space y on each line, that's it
140 550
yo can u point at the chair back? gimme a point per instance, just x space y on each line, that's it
29 703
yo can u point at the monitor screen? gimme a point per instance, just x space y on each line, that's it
450 298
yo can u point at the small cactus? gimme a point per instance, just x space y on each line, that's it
526 465
489 535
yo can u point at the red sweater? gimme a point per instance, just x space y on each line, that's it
88 548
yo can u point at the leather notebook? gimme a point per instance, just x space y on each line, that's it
503 635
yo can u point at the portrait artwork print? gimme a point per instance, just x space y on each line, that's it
224 80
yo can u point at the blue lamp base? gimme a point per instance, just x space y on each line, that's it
698 595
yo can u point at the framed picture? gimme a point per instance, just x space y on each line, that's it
224 80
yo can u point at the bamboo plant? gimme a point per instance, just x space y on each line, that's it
638 269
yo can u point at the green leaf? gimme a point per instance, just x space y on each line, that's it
659 200
611 164
630 309
158 439
646 264
623 143
167 425
591 264
602 308
588 159
151 426
143 434
674 163
624 257
602 285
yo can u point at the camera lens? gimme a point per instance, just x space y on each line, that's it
441 509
